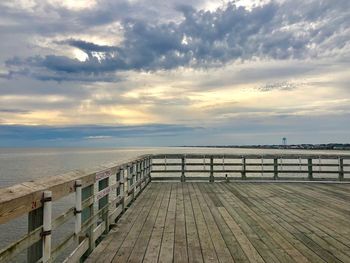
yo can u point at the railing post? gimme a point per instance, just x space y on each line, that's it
244 176
275 168
309 164
149 168
183 167
341 169
211 177
46 234
77 210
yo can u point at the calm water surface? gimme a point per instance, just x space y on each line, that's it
19 165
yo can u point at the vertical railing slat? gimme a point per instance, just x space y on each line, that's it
211 176
341 169
77 211
275 168
310 172
183 167
47 220
244 175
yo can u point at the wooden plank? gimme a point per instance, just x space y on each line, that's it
109 246
247 247
208 250
98 231
260 223
128 244
286 219
78 252
250 229
324 234
180 242
219 244
210 196
155 241
272 218
167 247
280 247
141 244
193 243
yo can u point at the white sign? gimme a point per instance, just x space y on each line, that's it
106 191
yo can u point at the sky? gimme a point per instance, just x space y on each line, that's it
118 73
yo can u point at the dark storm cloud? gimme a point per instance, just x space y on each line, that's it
88 47
288 30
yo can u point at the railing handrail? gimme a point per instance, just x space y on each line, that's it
251 156
101 195
30 193
277 166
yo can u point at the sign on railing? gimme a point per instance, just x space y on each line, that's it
103 174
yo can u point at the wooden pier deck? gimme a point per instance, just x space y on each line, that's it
232 222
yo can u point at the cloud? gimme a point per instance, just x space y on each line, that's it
11 110
248 130
201 39
285 85
89 47
40 132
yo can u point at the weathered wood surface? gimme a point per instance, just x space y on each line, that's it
103 196
232 222
25 197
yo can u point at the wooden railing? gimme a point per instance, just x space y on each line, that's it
100 195
213 167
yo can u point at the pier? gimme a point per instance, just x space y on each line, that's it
189 208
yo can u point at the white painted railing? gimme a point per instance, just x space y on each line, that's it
101 196
250 167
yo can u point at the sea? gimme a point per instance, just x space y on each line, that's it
24 164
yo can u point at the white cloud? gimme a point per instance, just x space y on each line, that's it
144 62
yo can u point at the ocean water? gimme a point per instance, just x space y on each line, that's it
19 165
